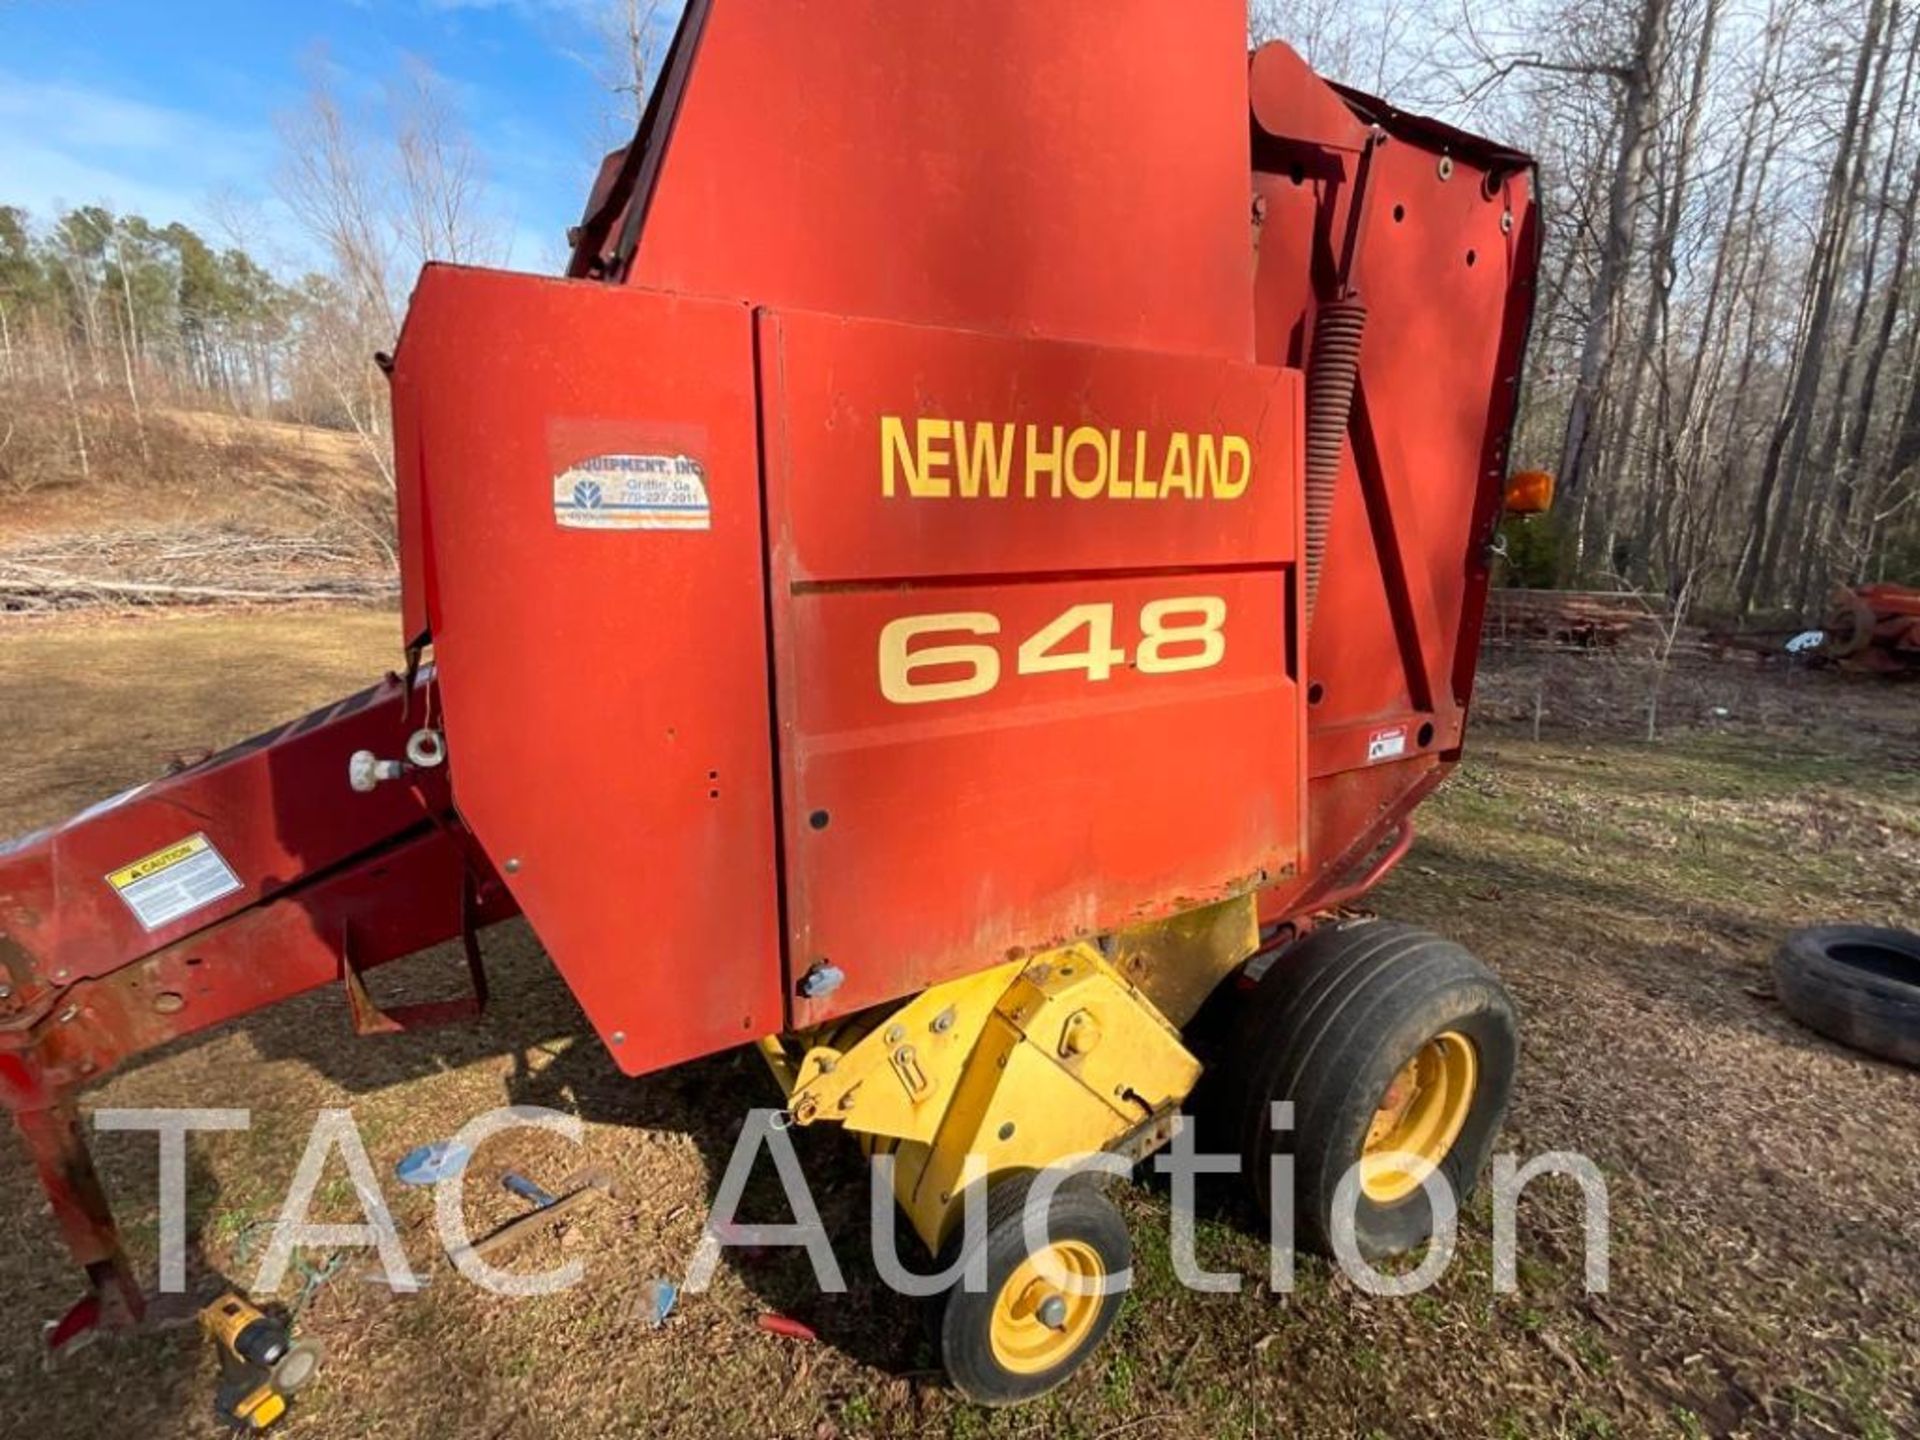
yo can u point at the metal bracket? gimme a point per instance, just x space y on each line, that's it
1154 1133
57 1143
370 1019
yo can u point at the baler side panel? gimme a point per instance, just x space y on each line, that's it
932 831
602 638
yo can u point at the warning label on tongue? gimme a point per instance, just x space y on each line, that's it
162 887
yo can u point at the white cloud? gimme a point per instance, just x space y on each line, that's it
64 144
68 144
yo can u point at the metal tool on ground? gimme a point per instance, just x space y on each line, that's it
656 1302
579 1187
261 1365
786 1327
990 535
518 1184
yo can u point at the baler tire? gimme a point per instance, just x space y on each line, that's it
966 1322
1856 984
1331 1028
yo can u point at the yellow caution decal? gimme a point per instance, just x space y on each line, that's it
174 882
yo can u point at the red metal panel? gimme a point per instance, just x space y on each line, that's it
1427 362
1068 169
605 688
415 555
1446 253
307 871
1019 404
945 815
383 906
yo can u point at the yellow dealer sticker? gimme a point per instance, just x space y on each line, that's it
168 884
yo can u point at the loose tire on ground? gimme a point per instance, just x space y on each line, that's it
1857 984
1385 1039
1023 1335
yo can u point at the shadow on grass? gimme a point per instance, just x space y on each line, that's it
707 1100
1634 916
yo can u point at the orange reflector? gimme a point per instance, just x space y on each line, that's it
1529 492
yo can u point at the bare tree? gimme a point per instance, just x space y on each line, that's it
1839 451
440 187
378 208
335 186
1670 211
1636 75
629 38
1787 446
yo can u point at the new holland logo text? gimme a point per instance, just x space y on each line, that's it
936 459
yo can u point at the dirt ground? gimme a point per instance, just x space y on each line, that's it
204 466
209 509
1766 1239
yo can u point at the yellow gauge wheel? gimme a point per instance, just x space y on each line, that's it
1045 1310
1039 1315
1420 1116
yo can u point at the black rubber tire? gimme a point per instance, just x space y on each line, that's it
1330 1024
1857 984
963 1318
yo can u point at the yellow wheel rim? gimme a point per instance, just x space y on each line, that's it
1421 1115
1047 1308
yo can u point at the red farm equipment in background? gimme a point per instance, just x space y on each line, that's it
988 538
1875 627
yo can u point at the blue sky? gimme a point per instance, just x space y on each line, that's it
168 107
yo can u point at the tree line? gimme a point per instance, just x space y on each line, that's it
106 317
102 312
1725 369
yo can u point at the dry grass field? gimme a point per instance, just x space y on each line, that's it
221 507
1766 1239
